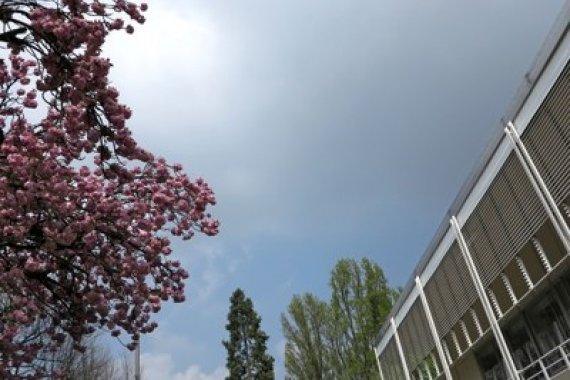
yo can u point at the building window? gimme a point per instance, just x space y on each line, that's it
490 362
547 323
521 344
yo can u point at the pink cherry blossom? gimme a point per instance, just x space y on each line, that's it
85 212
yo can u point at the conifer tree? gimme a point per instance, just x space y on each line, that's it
247 350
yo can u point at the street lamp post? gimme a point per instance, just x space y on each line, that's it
138 360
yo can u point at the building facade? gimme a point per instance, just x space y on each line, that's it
490 299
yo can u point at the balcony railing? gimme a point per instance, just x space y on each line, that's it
548 365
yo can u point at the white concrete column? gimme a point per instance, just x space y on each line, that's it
400 350
465 332
510 367
539 186
433 329
524 272
509 287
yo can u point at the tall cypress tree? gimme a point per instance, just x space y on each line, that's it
247 350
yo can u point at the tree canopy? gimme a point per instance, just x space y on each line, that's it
334 340
85 212
307 342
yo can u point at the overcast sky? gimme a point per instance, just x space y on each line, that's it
327 128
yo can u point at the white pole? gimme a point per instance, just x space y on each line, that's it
501 342
138 360
376 355
400 350
539 186
433 330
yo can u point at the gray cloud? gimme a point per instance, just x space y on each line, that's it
347 122
331 105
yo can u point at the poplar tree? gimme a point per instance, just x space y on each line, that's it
333 340
361 300
306 332
247 347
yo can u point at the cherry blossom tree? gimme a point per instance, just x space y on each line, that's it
85 212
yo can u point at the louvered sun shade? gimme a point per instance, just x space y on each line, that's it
548 138
510 213
507 216
391 363
450 291
415 336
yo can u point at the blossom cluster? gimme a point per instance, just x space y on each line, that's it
85 212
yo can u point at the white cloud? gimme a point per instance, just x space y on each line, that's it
177 59
161 367
164 340
195 373
168 40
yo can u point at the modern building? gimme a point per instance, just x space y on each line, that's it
490 299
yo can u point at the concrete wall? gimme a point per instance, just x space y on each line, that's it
562 376
468 369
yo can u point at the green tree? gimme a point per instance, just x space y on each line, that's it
247 350
305 331
334 341
361 300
